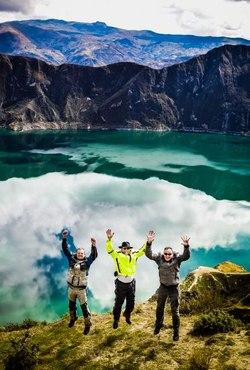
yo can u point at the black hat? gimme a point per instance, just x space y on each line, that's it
125 244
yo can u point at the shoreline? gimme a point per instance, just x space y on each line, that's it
75 128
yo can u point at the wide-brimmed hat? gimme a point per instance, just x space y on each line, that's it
125 244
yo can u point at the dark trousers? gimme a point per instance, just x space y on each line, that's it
75 293
124 291
171 292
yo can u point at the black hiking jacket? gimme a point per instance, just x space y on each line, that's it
168 271
78 269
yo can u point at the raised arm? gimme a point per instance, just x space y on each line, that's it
150 239
93 254
140 251
186 251
152 256
109 244
65 247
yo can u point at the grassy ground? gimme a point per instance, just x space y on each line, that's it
133 346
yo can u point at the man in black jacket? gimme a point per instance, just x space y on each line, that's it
168 264
79 265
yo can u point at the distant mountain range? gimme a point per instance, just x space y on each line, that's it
96 44
209 93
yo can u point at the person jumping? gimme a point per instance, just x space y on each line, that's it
168 264
125 267
77 277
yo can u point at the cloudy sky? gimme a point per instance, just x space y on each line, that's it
216 17
88 204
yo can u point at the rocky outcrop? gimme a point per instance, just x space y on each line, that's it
228 266
206 288
96 44
209 93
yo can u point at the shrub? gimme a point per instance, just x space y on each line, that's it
26 324
199 360
24 355
217 321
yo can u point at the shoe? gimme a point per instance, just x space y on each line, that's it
157 330
128 321
72 322
115 324
86 329
127 318
176 336
87 325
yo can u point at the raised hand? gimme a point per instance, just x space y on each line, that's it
150 236
185 240
110 234
65 234
93 242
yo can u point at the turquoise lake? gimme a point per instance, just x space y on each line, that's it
174 183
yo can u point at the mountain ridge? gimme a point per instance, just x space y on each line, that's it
96 44
208 93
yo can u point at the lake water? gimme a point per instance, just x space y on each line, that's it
174 183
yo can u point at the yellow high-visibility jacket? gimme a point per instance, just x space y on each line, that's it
125 265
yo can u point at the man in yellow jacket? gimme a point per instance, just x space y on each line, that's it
125 268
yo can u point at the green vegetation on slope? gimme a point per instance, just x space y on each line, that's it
206 288
135 347
129 347
228 266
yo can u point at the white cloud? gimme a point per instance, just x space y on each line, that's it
90 203
16 6
216 17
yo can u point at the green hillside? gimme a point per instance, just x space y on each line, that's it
135 346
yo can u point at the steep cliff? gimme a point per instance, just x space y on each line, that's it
226 286
209 93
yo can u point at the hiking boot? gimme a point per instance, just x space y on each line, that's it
87 325
157 330
176 325
127 318
73 319
176 335
115 324
158 327
86 329
71 322
128 321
